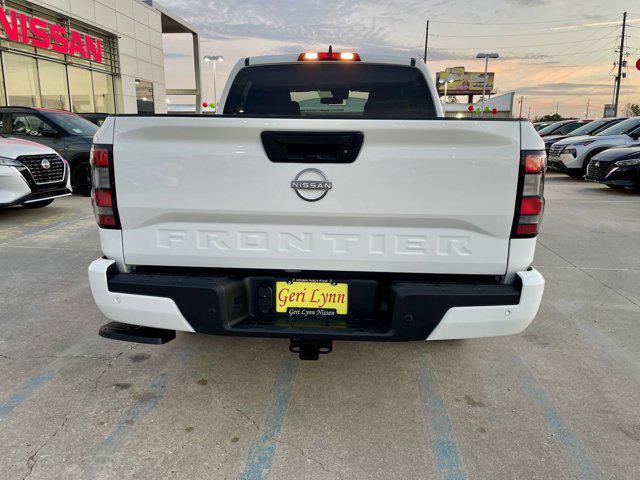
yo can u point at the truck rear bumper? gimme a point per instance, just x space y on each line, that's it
384 309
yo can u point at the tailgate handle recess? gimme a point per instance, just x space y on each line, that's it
312 147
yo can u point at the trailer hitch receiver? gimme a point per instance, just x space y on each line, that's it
310 349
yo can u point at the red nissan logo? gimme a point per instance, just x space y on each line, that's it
36 32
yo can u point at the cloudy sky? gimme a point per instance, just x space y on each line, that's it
557 53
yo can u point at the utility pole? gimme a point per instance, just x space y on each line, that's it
557 107
426 42
521 100
619 76
588 103
529 114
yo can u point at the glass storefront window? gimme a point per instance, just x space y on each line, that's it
50 53
144 96
3 100
103 92
53 85
21 80
81 89
22 46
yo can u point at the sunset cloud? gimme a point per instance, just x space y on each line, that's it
546 57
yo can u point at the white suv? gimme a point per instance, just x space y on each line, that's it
572 155
31 174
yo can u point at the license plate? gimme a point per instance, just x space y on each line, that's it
308 298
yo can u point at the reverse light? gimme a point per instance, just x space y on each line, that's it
530 199
329 56
534 163
103 193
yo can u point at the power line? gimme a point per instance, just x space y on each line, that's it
573 72
574 56
521 23
522 34
522 46
554 55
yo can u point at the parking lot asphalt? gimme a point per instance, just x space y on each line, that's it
559 401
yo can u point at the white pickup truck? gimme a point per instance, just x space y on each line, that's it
328 200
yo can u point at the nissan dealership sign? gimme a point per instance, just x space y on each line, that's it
36 32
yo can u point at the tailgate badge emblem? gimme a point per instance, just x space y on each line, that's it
45 164
311 184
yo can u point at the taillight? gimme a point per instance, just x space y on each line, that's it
330 56
530 200
103 188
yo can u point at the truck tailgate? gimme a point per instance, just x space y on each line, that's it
422 196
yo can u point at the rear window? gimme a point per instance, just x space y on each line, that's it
550 128
593 127
72 124
622 128
353 90
568 128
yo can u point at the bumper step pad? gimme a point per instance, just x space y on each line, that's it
136 333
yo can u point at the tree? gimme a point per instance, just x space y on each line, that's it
552 117
632 110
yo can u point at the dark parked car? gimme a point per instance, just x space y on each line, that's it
67 133
95 118
540 125
616 168
590 128
562 128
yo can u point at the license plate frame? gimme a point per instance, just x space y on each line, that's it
311 298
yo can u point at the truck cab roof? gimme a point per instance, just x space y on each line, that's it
364 58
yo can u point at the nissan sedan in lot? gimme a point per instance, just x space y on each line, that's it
591 128
562 127
31 175
67 133
616 168
572 155
540 125
95 118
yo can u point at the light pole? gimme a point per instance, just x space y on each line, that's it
486 57
214 59
446 84
521 100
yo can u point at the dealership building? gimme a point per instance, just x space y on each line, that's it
89 55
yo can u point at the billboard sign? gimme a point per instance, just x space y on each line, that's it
609 110
460 82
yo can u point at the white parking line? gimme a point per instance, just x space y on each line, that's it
33 234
